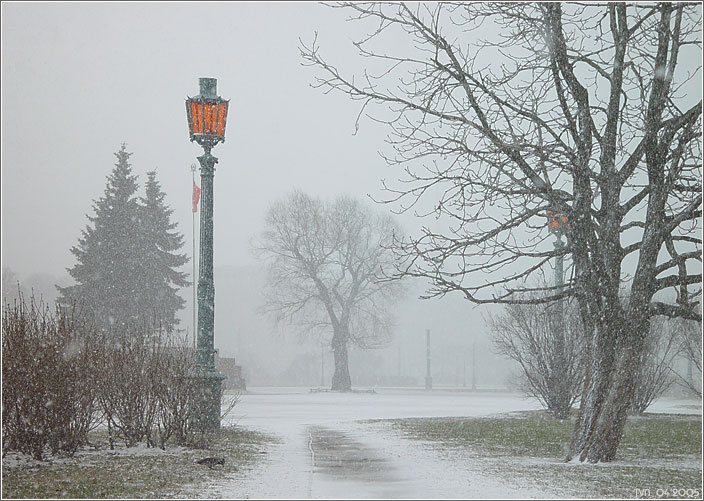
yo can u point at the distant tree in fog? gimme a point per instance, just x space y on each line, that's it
326 263
10 285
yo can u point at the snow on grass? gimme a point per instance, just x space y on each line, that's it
424 467
657 451
503 449
406 469
134 472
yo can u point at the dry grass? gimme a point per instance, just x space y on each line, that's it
137 472
660 456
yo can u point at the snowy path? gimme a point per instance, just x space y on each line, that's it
325 452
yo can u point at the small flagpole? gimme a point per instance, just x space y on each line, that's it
193 213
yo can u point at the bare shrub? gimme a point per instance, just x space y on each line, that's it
62 377
230 405
48 367
151 391
176 393
132 360
655 374
552 360
690 333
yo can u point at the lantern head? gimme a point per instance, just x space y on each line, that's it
207 114
557 223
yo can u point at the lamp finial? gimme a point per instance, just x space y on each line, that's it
208 87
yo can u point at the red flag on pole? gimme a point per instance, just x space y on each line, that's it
196 197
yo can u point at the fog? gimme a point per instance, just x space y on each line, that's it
277 355
79 79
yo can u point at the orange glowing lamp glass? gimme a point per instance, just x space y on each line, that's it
207 114
557 223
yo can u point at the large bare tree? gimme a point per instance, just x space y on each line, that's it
327 263
500 112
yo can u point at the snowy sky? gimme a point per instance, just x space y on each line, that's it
81 78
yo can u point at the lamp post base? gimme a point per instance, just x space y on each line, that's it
208 404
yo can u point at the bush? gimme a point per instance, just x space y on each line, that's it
62 377
655 374
148 391
176 394
127 393
48 397
691 348
552 360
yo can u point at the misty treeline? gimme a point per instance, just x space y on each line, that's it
500 112
64 377
127 260
327 263
552 359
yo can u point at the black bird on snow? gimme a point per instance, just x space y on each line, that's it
210 462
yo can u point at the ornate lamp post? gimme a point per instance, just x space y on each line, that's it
207 115
558 226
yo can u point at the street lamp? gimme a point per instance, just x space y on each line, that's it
207 115
558 225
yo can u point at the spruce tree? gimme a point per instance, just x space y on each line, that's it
161 279
108 261
126 268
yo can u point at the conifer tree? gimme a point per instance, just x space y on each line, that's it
107 265
126 269
161 279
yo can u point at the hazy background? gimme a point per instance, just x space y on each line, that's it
79 79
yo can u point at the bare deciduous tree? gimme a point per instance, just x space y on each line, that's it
326 263
552 360
581 109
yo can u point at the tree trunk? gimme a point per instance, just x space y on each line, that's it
608 393
341 378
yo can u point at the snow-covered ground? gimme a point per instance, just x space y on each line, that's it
325 452
669 405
